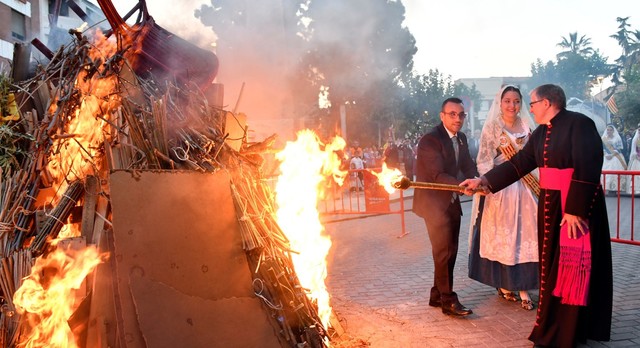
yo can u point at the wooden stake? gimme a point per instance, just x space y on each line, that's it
92 187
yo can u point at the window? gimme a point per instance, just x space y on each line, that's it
64 8
18 26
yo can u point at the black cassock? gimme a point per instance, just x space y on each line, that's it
570 140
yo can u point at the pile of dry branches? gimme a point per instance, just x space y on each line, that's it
145 124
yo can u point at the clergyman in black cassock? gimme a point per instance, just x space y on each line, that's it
565 141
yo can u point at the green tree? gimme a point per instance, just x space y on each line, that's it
575 46
365 55
629 41
424 97
542 73
626 76
628 100
576 70
360 50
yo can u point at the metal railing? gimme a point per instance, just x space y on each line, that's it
361 194
622 190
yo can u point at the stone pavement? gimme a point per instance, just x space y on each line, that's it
374 270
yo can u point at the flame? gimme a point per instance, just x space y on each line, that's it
47 296
305 166
387 177
77 149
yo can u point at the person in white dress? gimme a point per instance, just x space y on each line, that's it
634 163
613 159
504 234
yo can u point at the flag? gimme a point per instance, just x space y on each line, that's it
611 105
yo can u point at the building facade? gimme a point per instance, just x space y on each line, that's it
488 87
21 21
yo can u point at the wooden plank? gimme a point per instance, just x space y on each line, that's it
102 317
92 187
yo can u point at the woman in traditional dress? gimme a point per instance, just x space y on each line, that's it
634 163
613 159
504 234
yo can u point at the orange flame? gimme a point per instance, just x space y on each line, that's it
77 148
387 177
305 166
47 296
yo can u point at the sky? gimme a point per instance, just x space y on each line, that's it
492 38
472 38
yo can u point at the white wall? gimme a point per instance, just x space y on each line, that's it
22 7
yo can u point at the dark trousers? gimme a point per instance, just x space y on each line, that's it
444 232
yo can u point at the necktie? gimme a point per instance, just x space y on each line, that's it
456 150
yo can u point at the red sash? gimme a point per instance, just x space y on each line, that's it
574 271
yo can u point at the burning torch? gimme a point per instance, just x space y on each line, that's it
392 179
404 183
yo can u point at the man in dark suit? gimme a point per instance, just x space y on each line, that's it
442 153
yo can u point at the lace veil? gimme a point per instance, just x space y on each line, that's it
489 139
616 141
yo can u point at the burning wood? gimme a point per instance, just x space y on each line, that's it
58 217
159 53
102 116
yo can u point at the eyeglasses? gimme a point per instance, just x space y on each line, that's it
533 102
454 114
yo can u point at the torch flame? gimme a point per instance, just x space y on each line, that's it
388 177
305 166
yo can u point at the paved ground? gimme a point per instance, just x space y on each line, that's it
379 285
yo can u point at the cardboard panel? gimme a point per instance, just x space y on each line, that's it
178 229
172 319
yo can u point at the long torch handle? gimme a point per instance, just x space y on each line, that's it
405 183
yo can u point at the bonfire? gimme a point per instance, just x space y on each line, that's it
98 107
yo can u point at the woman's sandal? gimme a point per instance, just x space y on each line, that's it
527 305
509 296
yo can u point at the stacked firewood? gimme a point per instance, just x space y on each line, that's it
147 124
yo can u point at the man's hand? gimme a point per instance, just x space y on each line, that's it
576 226
471 184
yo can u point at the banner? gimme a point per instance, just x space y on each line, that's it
376 198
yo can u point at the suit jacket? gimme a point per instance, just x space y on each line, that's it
474 147
436 163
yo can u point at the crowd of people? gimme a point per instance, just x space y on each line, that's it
539 219
395 154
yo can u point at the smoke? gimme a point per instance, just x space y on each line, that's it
271 49
177 17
